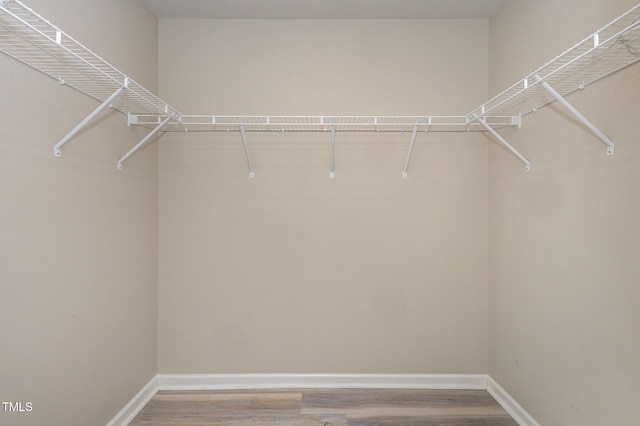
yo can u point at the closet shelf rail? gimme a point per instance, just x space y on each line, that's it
29 38
608 50
234 123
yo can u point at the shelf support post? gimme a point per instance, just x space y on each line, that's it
504 142
143 141
56 149
332 171
558 97
405 171
246 150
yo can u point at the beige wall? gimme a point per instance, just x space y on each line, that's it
315 67
563 240
78 254
294 272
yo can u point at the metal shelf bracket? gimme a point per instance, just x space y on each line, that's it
57 148
246 150
558 97
143 141
504 142
332 171
405 171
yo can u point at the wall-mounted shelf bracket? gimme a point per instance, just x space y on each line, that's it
504 142
56 149
558 97
405 171
332 171
246 150
143 141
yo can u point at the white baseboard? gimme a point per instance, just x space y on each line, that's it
510 405
297 381
328 381
136 404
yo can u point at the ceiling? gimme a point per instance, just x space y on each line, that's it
324 9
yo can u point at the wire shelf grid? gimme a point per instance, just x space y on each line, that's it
612 48
31 39
227 123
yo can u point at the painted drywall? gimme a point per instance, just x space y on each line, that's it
78 254
564 238
291 271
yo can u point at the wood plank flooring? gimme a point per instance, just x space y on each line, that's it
324 407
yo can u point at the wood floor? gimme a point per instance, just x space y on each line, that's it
325 407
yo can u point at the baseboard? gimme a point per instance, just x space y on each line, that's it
136 404
510 405
274 381
299 381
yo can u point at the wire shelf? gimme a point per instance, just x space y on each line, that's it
226 123
31 39
612 48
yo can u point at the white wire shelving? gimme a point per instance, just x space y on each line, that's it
232 123
244 124
31 39
610 49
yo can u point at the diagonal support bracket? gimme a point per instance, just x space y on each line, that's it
504 142
57 148
246 150
332 171
405 171
558 97
143 141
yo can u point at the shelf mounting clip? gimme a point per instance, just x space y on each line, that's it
503 141
246 149
57 148
558 97
405 171
144 140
